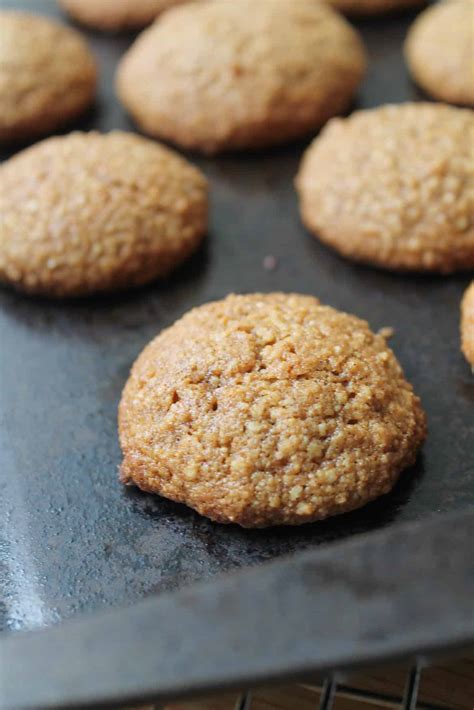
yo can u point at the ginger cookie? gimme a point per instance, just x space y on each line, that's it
394 187
373 7
218 75
268 409
47 75
439 51
467 324
116 15
93 212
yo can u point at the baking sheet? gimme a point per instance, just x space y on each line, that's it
71 538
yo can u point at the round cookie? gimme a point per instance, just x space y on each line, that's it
439 50
467 324
268 409
47 75
373 7
93 212
116 15
218 75
394 187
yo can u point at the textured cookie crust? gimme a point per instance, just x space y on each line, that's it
218 75
47 75
94 212
467 324
394 186
439 51
268 409
373 7
116 15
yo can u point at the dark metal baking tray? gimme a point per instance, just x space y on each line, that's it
295 618
72 539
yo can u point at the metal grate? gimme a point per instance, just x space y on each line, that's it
331 690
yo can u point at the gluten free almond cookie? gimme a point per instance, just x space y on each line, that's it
440 51
93 212
47 75
394 187
467 324
218 75
373 7
268 409
116 15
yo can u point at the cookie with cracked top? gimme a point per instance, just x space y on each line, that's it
268 409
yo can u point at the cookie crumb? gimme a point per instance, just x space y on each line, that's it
386 332
270 262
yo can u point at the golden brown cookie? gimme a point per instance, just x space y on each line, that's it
394 187
467 324
94 212
217 75
116 15
440 51
373 7
268 409
47 75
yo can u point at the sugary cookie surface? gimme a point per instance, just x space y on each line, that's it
92 212
394 186
268 409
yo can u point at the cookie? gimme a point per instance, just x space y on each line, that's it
268 409
93 212
116 15
47 75
394 187
467 324
217 75
439 50
373 7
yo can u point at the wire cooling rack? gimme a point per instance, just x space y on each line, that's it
332 689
